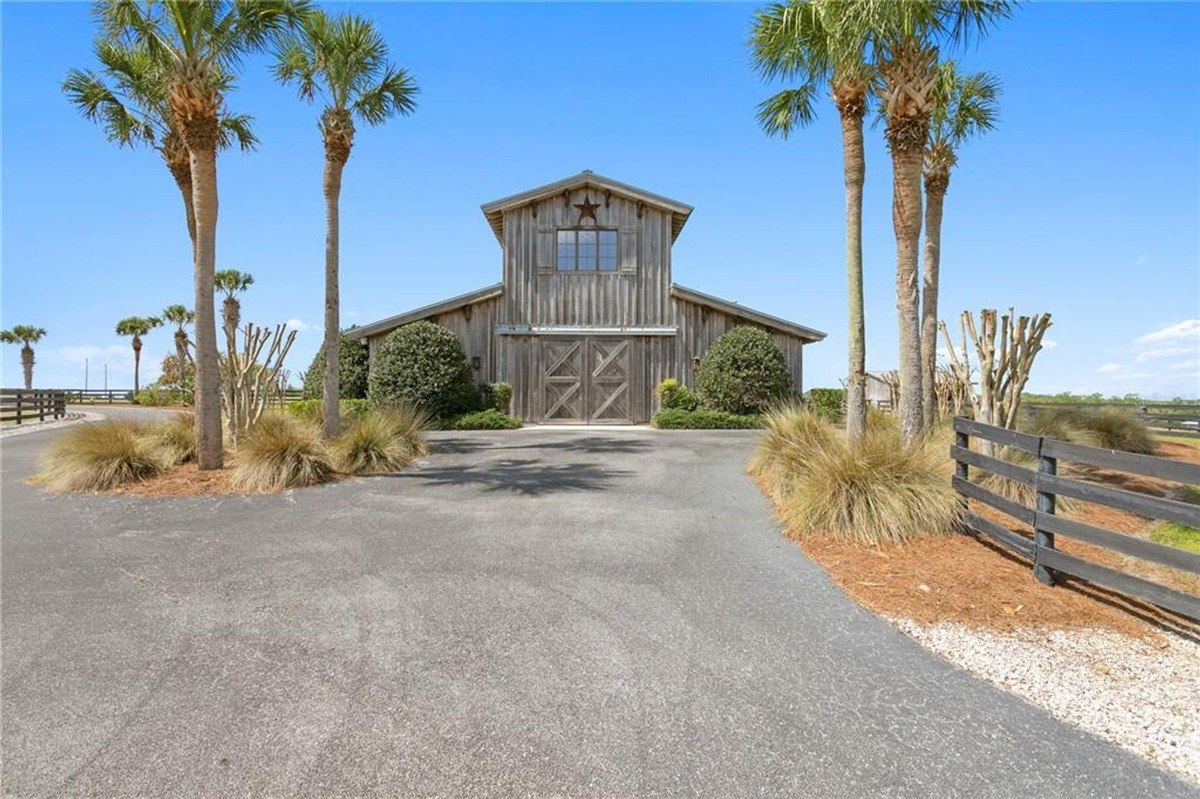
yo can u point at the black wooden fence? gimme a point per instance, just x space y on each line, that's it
1048 561
94 396
18 405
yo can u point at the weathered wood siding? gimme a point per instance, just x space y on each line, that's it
699 326
475 326
638 293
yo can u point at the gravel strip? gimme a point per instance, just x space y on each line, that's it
1143 696
36 427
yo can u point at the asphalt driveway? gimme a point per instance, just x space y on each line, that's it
533 613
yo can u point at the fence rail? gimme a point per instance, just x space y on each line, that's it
107 396
1049 562
19 405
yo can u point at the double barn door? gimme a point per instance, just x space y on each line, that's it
587 380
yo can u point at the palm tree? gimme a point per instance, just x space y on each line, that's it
343 59
199 45
231 283
128 98
181 317
964 106
905 40
26 336
814 43
137 326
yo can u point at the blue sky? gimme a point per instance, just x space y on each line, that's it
1085 202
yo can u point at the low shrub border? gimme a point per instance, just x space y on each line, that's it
490 419
678 419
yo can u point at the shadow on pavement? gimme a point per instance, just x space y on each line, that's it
526 477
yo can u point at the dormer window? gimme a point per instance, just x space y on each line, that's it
587 250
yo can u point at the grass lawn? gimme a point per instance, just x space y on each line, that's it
1178 535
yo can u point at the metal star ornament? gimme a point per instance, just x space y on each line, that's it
587 209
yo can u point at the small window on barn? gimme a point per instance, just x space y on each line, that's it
586 250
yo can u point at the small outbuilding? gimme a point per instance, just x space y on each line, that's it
586 320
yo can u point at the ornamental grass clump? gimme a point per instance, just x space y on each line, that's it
280 452
875 490
174 440
1114 429
97 456
380 441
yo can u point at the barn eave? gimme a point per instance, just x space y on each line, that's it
417 314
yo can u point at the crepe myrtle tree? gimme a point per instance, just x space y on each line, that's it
26 336
342 60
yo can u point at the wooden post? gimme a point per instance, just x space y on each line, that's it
40 399
1045 504
19 396
961 469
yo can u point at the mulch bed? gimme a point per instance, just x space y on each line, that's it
970 581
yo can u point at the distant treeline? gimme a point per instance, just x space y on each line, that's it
1099 399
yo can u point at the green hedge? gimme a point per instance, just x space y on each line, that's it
490 419
743 372
827 403
423 364
352 371
311 410
677 419
673 394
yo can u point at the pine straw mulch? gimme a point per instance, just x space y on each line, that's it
969 580
187 480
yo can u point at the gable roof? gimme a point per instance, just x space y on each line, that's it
417 314
758 317
494 211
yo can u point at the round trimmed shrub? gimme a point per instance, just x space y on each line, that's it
743 372
352 371
423 364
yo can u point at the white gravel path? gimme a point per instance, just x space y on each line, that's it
1143 696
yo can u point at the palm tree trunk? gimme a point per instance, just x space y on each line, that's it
935 195
137 365
854 167
906 220
27 366
181 356
332 184
208 378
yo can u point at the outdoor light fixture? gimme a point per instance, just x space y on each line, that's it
476 362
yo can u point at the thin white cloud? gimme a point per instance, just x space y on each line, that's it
1109 368
1187 330
1047 344
297 325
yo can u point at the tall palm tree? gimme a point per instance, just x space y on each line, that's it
128 98
816 44
137 326
965 105
200 45
906 38
343 59
26 336
181 317
231 283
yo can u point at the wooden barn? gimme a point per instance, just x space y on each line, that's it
586 320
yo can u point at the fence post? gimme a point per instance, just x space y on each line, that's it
962 470
19 395
1045 504
40 399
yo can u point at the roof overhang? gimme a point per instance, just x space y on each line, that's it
416 315
494 211
808 334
